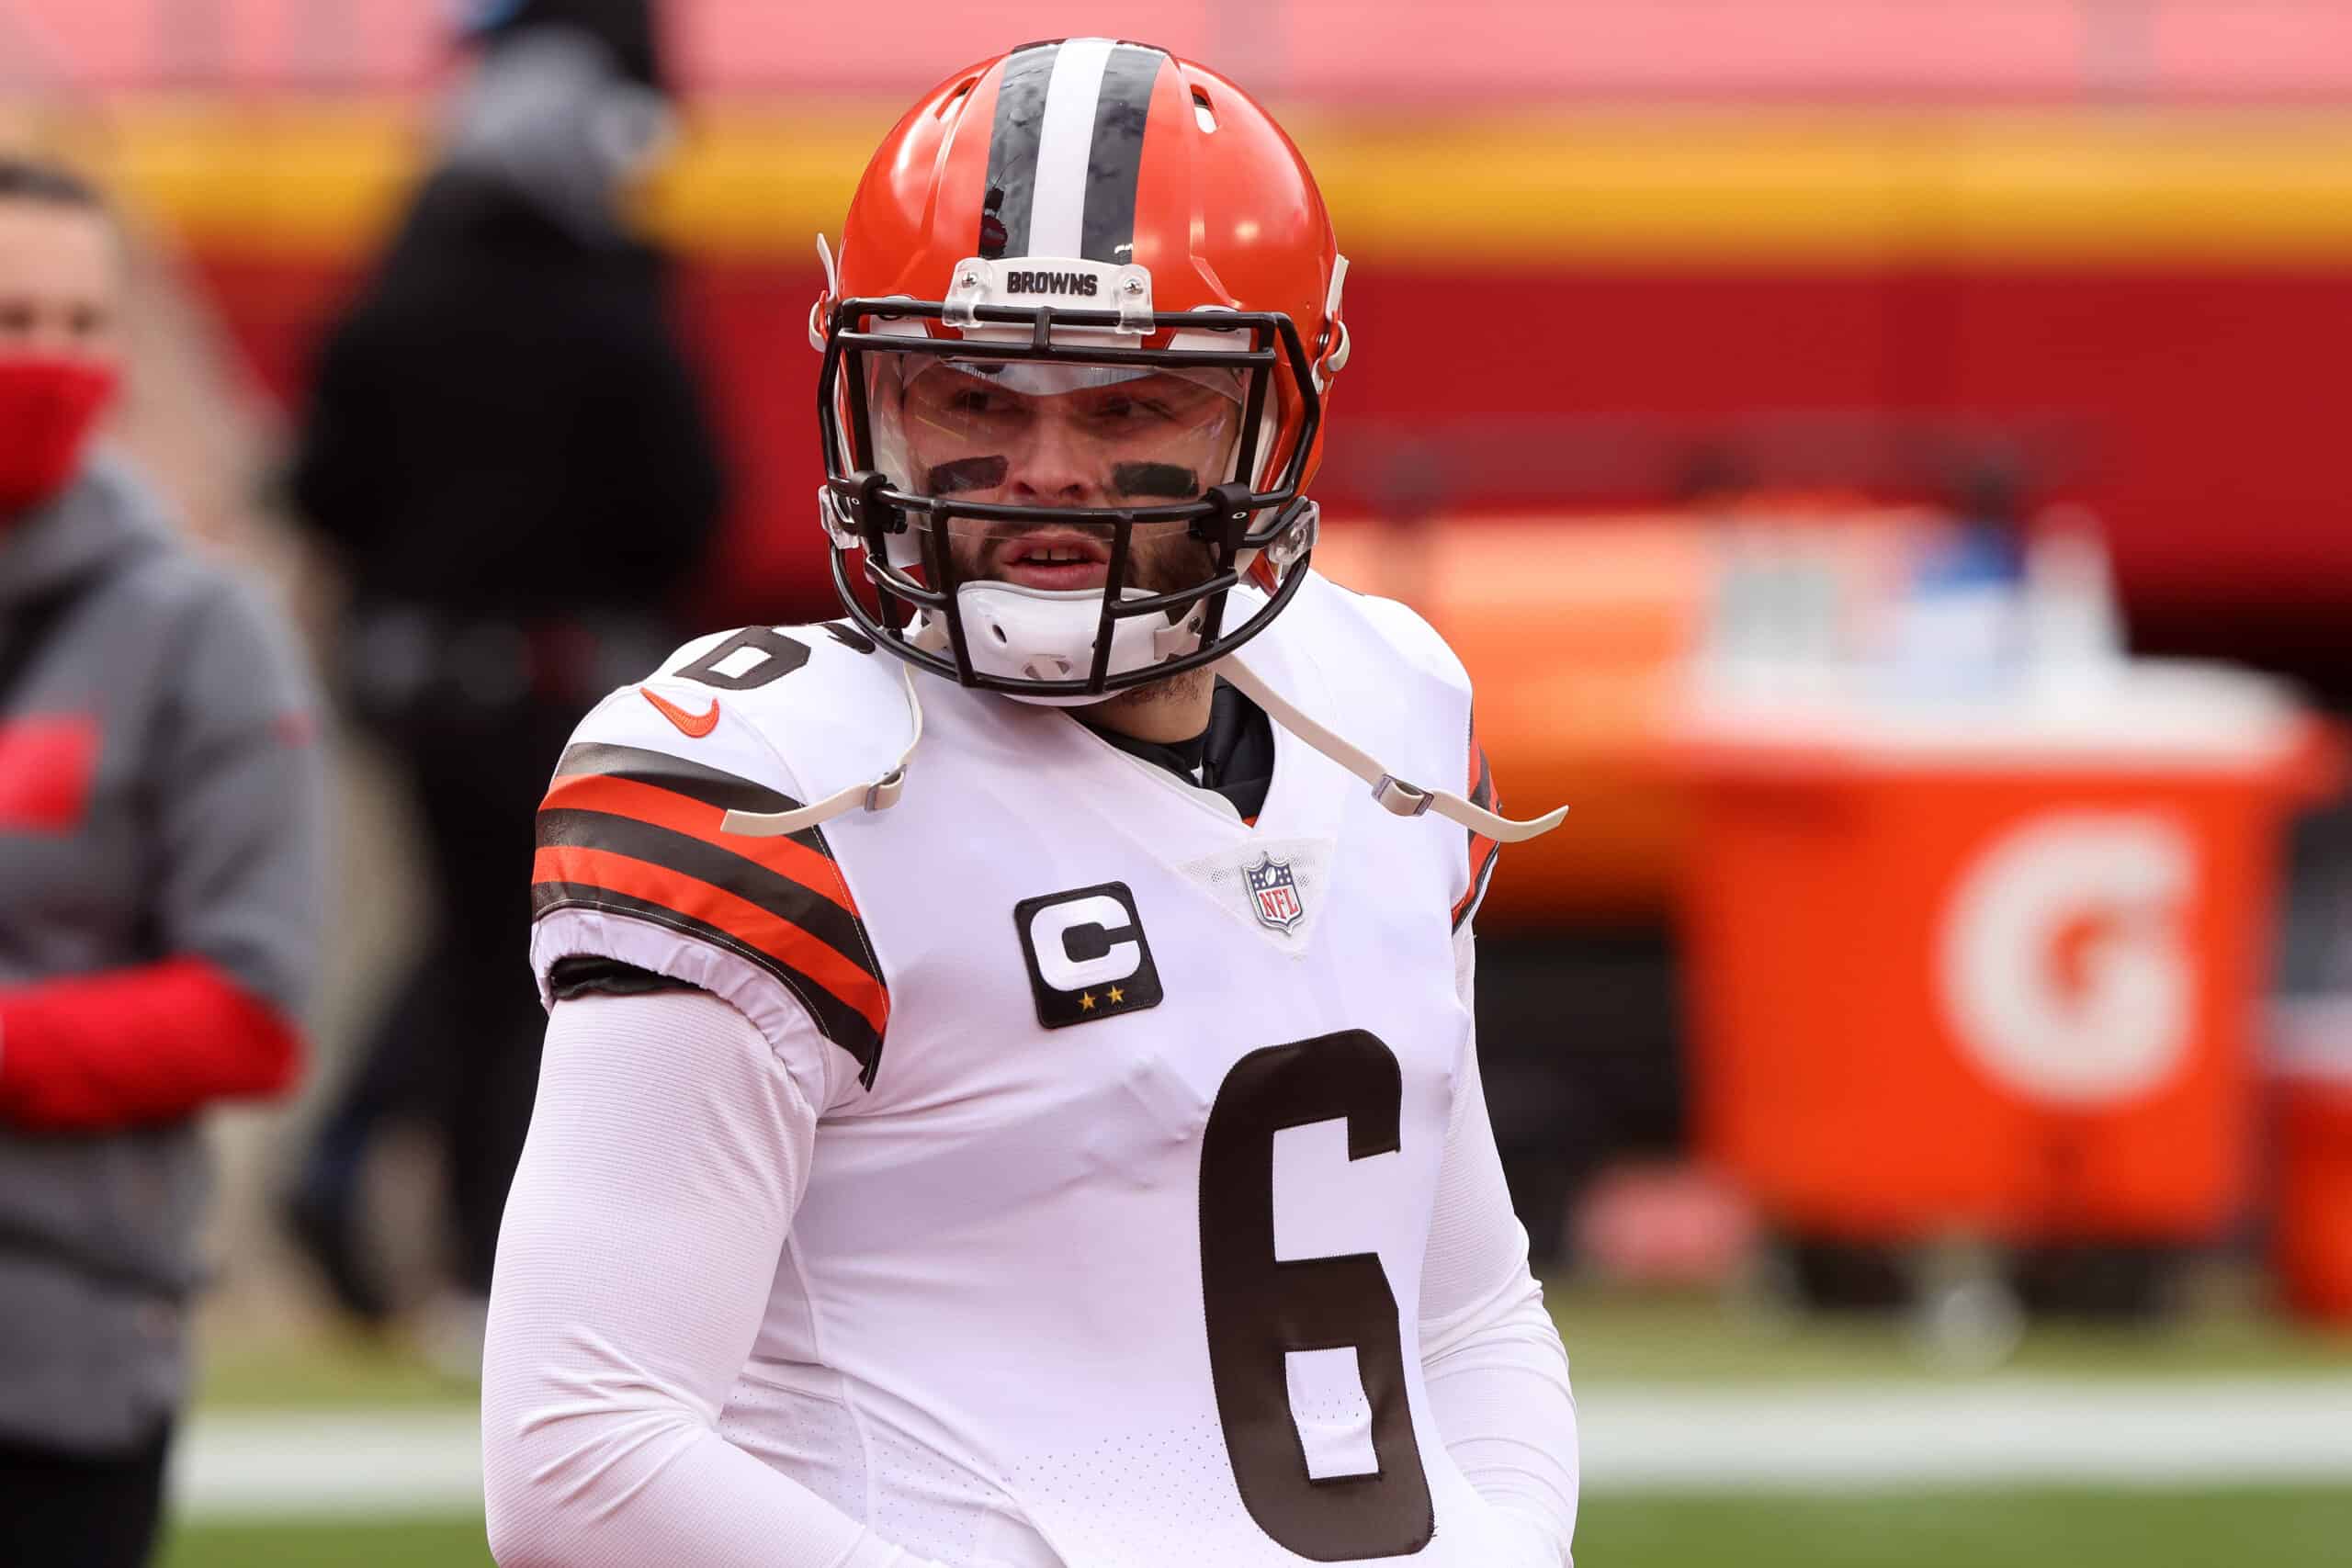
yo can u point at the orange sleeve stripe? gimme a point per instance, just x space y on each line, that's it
1481 854
715 906
681 814
1482 861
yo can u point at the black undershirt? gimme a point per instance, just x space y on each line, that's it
1234 756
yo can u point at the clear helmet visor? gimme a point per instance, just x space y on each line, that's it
1086 438
1025 434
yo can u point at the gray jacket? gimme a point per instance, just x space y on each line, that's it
201 834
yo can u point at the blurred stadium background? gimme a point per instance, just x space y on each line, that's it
1782 404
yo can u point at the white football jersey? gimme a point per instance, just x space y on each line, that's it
1112 1243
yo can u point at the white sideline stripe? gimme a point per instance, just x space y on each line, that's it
1636 1438
2003 1432
289 1464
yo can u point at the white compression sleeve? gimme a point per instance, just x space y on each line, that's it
668 1150
1497 1374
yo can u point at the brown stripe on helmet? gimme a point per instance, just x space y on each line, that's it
1014 140
1114 167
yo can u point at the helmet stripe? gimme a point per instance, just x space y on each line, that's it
1115 164
1012 150
1064 143
1065 151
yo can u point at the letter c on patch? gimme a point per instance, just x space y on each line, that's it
1059 934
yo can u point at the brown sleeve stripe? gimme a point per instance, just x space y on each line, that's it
853 1031
757 928
729 791
814 910
619 797
639 831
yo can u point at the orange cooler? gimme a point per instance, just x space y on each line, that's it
1990 970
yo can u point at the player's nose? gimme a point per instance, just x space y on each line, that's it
1055 466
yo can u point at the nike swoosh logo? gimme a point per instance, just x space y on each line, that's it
694 725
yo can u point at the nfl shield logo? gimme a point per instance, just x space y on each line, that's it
1273 894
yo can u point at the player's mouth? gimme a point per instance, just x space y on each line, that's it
1052 558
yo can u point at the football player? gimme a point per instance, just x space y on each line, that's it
1010 1096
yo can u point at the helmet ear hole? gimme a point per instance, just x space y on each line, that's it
963 90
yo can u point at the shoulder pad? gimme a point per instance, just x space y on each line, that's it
1403 630
632 861
1392 674
1403 694
815 708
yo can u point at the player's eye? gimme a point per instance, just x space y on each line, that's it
1131 411
86 321
977 403
15 317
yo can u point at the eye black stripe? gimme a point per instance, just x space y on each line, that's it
1013 151
1116 164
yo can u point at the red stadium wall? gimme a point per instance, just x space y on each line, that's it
2201 410
2124 233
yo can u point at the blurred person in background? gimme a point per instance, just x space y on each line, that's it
506 451
161 851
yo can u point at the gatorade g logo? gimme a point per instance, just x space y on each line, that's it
1087 955
2062 960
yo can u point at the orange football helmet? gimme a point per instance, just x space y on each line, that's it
1080 224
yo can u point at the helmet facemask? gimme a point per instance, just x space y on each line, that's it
1047 508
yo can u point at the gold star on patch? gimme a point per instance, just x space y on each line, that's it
1117 996
1086 1002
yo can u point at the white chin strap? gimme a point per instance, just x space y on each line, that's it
1393 793
879 795
1404 799
1037 634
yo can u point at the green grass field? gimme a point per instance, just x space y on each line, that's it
1612 1339
455 1543
2282 1528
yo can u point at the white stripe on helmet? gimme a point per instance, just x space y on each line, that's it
1065 144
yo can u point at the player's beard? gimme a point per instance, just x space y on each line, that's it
1187 687
1164 565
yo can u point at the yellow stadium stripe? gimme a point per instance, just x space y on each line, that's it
1690 188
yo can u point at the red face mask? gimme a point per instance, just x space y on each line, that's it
48 408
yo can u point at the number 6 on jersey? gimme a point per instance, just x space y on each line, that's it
1261 1311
